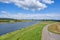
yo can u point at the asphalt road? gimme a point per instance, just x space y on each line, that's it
49 36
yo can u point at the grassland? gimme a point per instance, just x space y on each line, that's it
4 20
54 28
33 32
13 21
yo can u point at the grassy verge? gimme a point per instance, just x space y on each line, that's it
54 28
33 32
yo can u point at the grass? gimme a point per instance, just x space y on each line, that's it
13 21
33 32
54 28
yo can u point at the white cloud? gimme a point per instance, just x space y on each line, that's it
29 16
29 4
48 1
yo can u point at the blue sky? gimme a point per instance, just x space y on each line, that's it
30 9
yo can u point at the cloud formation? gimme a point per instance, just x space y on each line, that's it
29 16
30 4
48 1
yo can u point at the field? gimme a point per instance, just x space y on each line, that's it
33 32
54 28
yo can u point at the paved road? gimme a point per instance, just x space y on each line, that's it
47 36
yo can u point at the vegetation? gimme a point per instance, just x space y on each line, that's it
54 28
24 20
4 20
33 32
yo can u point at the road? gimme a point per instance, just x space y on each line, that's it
47 36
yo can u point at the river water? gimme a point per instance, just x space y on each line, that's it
9 27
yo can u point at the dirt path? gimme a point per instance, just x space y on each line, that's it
45 34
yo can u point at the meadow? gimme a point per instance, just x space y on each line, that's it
33 32
54 28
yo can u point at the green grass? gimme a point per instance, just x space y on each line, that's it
15 21
33 32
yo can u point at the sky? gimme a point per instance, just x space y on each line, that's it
30 9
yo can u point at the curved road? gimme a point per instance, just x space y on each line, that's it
47 36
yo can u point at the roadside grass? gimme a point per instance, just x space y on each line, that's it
33 32
54 28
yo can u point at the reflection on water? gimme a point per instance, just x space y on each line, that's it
8 27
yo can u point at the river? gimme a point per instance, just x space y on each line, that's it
9 27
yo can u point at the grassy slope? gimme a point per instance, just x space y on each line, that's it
55 28
33 32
